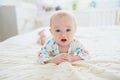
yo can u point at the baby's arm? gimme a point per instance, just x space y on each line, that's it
43 57
75 58
64 57
80 52
48 57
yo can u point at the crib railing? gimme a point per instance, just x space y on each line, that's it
96 17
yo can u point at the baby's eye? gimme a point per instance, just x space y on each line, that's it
57 30
68 30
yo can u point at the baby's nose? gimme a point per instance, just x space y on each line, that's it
63 34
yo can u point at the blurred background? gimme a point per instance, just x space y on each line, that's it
22 16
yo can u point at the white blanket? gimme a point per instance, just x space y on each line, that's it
18 57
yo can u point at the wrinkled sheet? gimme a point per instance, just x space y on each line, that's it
18 57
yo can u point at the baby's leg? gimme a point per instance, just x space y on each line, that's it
42 37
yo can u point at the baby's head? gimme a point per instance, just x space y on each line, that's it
62 27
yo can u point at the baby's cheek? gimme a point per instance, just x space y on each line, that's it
57 39
71 37
56 35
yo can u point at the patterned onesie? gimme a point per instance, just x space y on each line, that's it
51 49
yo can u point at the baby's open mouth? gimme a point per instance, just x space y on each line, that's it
63 40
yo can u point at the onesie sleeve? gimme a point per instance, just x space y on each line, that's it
81 51
44 55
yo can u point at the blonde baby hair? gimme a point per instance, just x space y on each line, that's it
62 14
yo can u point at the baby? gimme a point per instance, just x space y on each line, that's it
62 47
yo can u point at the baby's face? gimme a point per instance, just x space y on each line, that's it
63 30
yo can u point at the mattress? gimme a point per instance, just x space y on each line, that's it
18 57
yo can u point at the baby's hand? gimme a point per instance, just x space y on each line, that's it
62 57
66 57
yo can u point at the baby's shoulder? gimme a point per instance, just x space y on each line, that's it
50 41
75 40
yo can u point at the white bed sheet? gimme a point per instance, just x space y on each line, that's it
18 57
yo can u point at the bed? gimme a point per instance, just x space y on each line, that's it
18 57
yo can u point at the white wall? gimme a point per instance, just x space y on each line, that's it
26 13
